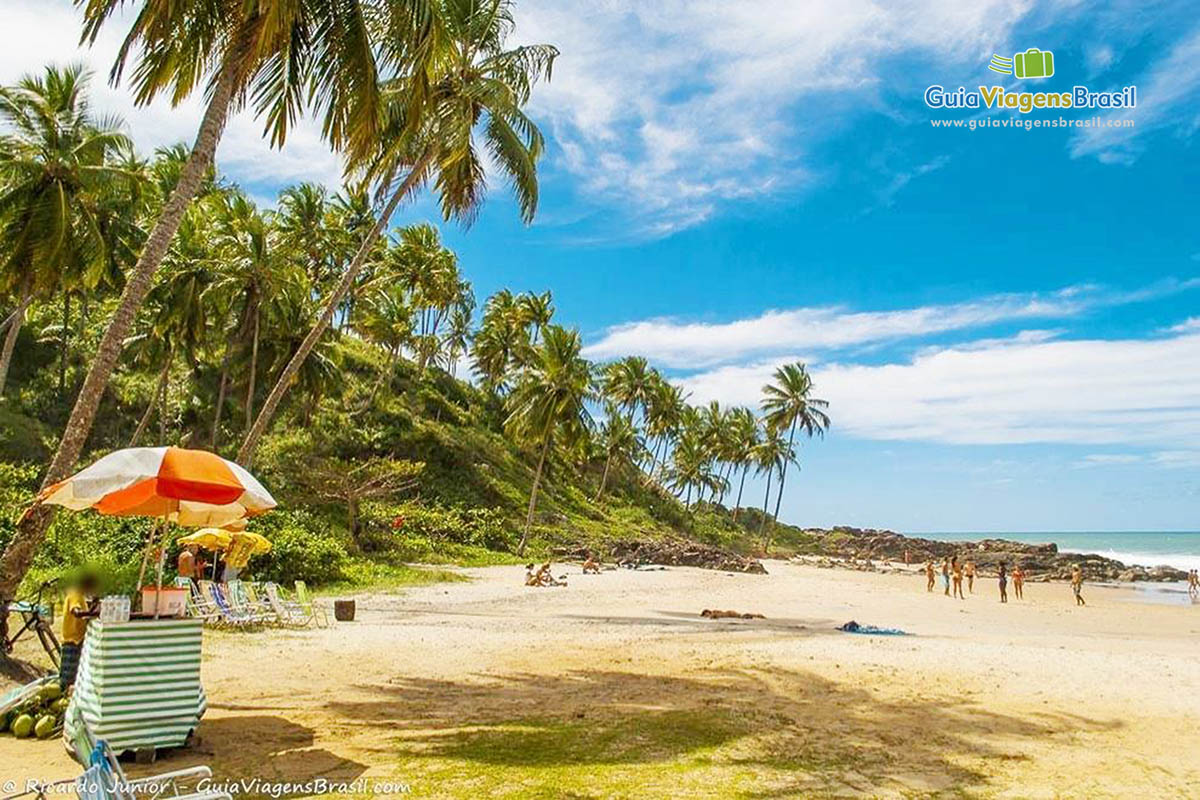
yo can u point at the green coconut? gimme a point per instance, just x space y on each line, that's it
45 726
22 726
51 691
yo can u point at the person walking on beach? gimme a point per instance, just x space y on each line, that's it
969 571
1193 583
1003 574
946 576
929 576
1018 576
1077 584
957 569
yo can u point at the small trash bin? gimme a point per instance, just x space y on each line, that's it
343 610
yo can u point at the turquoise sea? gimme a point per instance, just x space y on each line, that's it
1148 548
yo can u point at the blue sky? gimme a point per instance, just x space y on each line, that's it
1004 321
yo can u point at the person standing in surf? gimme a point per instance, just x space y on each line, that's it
1003 575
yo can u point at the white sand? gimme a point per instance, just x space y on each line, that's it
1036 698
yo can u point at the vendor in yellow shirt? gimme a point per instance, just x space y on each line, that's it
79 606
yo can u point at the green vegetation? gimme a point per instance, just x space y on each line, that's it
148 300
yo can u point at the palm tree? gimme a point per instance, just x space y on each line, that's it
691 466
458 335
789 404
387 321
664 415
468 84
620 441
550 400
536 310
55 162
281 57
744 433
303 210
771 456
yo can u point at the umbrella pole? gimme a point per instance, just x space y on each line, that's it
146 555
162 556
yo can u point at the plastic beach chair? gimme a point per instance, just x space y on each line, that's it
240 601
288 612
199 606
318 613
228 614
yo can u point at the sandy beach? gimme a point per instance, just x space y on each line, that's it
614 687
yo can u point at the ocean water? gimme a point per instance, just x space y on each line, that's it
1147 548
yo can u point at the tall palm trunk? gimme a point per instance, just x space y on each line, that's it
63 343
267 412
537 482
253 370
737 506
783 473
766 497
216 428
14 328
32 528
158 393
604 477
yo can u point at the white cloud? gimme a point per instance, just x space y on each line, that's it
693 345
1107 459
37 32
1176 459
1167 98
1098 392
674 107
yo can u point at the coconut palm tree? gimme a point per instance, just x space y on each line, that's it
771 457
619 439
789 405
56 160
387 321
469 86
303 210
536 311
745 435
549 402
281 57
664 415
458 335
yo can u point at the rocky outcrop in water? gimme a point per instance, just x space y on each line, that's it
1041 561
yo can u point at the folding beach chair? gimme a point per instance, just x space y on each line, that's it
199 606
318 613
286 611
105 780
228 614
240 601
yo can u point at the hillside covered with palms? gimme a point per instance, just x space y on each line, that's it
334 347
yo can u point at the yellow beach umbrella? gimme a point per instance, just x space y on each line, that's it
209 539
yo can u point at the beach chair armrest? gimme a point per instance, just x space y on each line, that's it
169 777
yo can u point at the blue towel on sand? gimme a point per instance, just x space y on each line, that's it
854 627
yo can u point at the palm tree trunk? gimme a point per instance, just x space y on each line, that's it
537 481
253 371
604 477
62 343
141 426
783 473
742 485
32 528
14 328
166 399
216 428
267 412
766 498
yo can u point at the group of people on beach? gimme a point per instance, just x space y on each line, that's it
954 571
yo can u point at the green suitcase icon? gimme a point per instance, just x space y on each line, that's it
1033 63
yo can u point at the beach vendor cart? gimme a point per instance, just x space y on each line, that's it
138 685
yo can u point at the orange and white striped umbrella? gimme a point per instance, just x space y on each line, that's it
188 487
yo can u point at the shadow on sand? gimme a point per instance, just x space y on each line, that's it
801 733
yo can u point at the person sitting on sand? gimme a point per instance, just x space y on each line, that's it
946 576
957 569
1003 575
969 571
591 566
929 576
1018 576
1077 584
530 578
